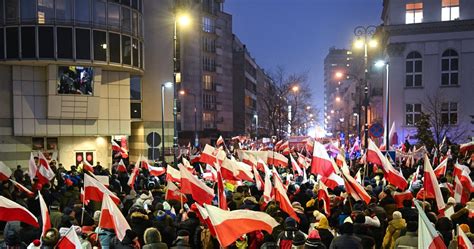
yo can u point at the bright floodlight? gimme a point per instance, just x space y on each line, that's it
182 92
168 84
373 43
183 20
339 75
356 114
359 43
338 99
295 88
380 63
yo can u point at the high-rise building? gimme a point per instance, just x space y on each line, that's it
429 45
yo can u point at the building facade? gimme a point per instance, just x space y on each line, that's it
430 48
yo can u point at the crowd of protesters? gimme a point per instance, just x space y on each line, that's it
383 223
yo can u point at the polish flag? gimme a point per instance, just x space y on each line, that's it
156 171
121 166
392 175
172 174
45 219
83 197
205 217
70 240
195 158
321 164
220 141
428 237
231 225
282 198
143 162
302 161
5 172
258 179
441 169
286 151
332 181
461 195
244 171
277 159
249 159
458 169
355 189
430 184
220 190
296 168
284 146
466 147
87 166
466 180
116 147
267 187
399 197
32 168
191 185
228 169
323 195
463 240
12 211
208 155
133 176
340 160
415 176
44 173
22 188
210 174
94 190
112 218
173 193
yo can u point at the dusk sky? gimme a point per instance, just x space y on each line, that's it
297 34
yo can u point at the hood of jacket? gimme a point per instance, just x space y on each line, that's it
398 223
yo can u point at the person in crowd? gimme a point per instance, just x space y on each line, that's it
152 239
410 239
347 238
291 236
394 229
313 241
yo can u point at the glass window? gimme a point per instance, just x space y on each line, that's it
135 52
46 42
135 22
45 11
208 24
449 68
64 11
450 10
414 13
64 42
2 45
100 46
28 10
135 4
140 26
126 50
1 12
114 16
414 70
28 42
136 110
114 43
83 44
207 82
141 55
208 64
75 80
11 11
99 12
449 113
126 2
12 43
412 113
82 8
135 88
126 19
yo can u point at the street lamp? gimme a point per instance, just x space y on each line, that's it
380 64
196 139
365 39
163 86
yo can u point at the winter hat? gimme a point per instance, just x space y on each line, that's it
96 215
323 223
35 244
51 237
182 233
314 235
166 206
290 222
451 200
318 215
297 207
396 215
465 228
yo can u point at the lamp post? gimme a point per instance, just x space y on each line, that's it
387 103
163 86
256 126
364 36
196 139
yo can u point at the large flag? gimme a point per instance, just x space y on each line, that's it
32 168
121 166
323 195
86 166
5 172
156 170
209 155
12 211
70 240
220 190
173 193
267 187
463 241
133 176
296 167
428 237
191 185
332 181
441 169
172 174
282 198
94 190
220 141
258 179
44 215
112 218
321 164
230 225
44 172
392 175
277 159
466 147
205 217
22 188
118 148
354 188
430 184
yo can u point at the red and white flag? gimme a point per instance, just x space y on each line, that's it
415 176
231 225
5 172
205 217
86 166
191 185
95 191
156 171
458 169
282 198
399 197
441 169
466 180
354 188
173 193
277 159
249 159
209 155
321 164
296 168
44 172
461 194
258 179
45 218
267 188
32 168
172 174
22 188
121 166
220 190
70 240
133 176
463 241
332 181
284 146
112 218
302 161
83 197
323 195
220 141
430 184
428 237
393 176
116 147
466 147
12 211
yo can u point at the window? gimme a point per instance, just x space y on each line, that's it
135 110
135 52
449 113
46 42
11 11
99 12
113 16
207 82
1 12
414 70
449 68
75 80
135 22
28 42
135 88
414 13
135 4
450 10
208 64
100 45
208 44
64 42
64 10
83 44
45 11
209 101
82 8
114 43
28 8
2 44
141 55
208 24
126 19
126 50
208 119
413 113
12 43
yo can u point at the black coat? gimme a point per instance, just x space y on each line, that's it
126 243
326 237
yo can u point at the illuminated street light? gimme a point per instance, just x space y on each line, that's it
295 88
359 43
338 99
338 75
183 20
373 43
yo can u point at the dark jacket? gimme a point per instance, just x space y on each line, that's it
293 234
180 244
126 243
346 241
326 236
139 222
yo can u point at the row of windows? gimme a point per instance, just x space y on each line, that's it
208 83
79 44
449 11
449 69
209 101
449 113
99 12
208 64
209 44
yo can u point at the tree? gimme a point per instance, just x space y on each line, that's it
424 135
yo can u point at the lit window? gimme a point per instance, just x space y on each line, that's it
412 113
450 10
449 68
208 24
414 13
414 70
449 113
207 82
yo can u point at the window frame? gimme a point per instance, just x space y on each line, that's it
417 57
450 7
411 11
449 112
450 72
413 113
